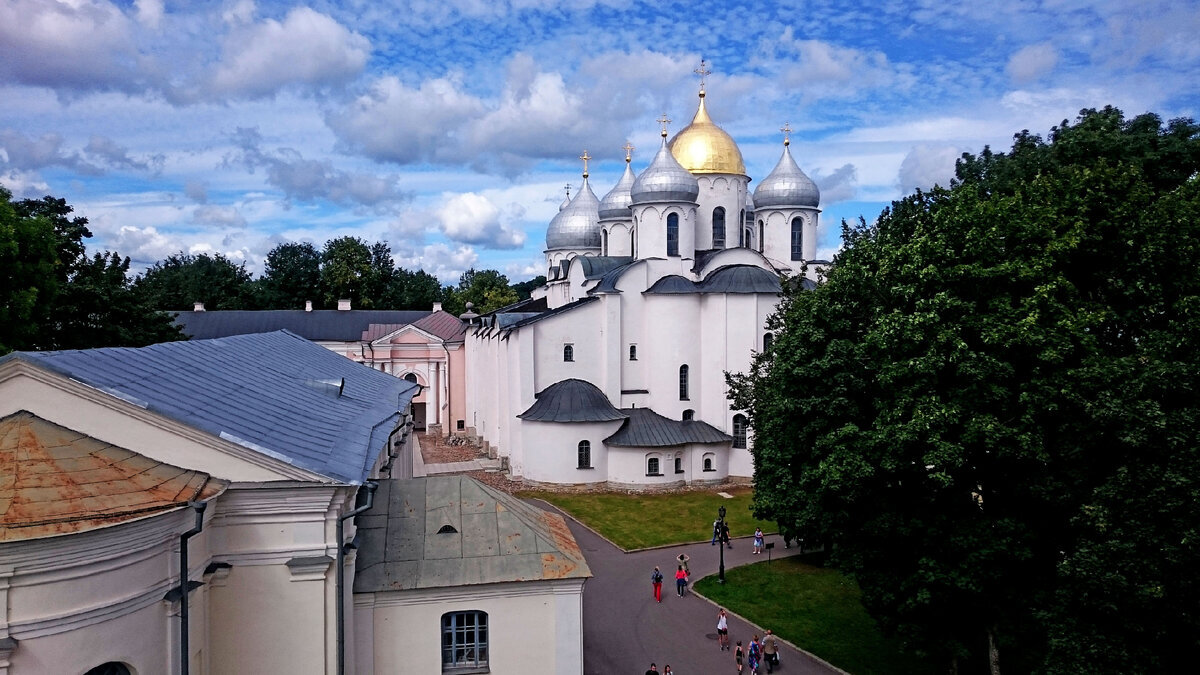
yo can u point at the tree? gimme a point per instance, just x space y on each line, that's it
183 279
990 406
28 275
345 271
99 308
414 290
524 289
291 276
487 290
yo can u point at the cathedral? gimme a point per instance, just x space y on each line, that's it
613 374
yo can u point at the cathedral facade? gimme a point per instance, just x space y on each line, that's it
614 372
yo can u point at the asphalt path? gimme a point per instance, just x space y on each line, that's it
624 629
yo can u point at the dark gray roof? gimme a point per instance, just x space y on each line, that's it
275 393
728 279
786 185
325 324
595 267
608 282
673 284
446 531
645 428
665 180
554 312
571 401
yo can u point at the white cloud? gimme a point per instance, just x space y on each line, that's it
146 245
839 186
24 184
149 12
440 260
109 152
84 44
218 216
196 190
926 166
1032 62
306 48
30 154
471 218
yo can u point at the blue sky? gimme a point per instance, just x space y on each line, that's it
450 127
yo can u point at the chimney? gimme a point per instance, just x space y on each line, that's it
198 307
437 306
344 305
308 305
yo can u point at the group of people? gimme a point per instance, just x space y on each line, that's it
681 577
654 670
721 533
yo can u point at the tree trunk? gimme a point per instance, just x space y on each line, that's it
993 653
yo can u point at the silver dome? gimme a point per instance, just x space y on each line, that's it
787 185
576 226
615 204
665 181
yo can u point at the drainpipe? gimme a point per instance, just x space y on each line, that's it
341 575
183 583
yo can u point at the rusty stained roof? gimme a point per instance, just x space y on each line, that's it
56 481
448 531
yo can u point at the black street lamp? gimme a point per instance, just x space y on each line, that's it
721 544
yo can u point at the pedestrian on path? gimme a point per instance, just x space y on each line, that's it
667 670
716 531
682 559
722 630
770 651
656 578
753 653
653 670
758 540
725 534
737 655
680 581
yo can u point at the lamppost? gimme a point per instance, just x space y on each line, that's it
721 544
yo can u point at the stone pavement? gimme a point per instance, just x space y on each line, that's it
624 629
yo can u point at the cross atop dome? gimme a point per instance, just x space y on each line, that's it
664 121
703 72
568 189
628 148
585 157
787 130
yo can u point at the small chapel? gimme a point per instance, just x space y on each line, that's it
613 373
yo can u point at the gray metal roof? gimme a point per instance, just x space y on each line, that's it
728 279
449 531
595 267
275 393
665 180
553 312
673 284
615 205
577 225
571 401
645 428
608 282
324 324
786 185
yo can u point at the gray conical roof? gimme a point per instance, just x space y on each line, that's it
577 225
615 204
787 185
665 180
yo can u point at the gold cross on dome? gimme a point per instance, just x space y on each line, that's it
628 148
664 121
585 157
703 72
786 129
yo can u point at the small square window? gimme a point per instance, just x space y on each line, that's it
633 352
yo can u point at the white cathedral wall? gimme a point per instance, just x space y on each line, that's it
778 227
551 451
727 191
619 237
650 223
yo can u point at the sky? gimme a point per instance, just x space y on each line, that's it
450 128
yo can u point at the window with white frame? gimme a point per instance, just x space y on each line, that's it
718 228
464 641
797 239
652 467
710 461
584 455
739 431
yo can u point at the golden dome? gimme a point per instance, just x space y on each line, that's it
703 147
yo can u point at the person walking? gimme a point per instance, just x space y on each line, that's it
683 559
737 655
716 531
725 534
753 654
758 540
667 670
680 581
770 650
656 578
722 630
653 670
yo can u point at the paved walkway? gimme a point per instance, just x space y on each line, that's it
624 629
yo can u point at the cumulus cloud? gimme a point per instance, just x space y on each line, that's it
196 190
24 184
26 153
310 179
85 44
823 69
149 12
440 260
218 216
306 47
839 186
927 165
1031 62
472 218
144 245
109 152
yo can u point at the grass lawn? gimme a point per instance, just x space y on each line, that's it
814 608
633 521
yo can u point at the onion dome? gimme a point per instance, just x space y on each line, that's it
703 147
615 204
787 185
664 180
577 225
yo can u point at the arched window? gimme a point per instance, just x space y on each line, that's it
633 352
568 352
761 232
673 234
689 415
797 238
768 339
411 377
739 431
741 226
678 464
718 227
464 640
584 455
683 382
110 668
708 462
652 467
604 242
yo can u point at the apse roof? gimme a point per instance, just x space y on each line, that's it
645 428
275 393
56 481
445 531
729 279
571 400
320 324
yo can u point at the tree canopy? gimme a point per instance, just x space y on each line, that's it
989 408
180 281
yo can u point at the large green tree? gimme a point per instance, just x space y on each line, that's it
28 275
180 281
991 406
291 276
346 272
486 290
